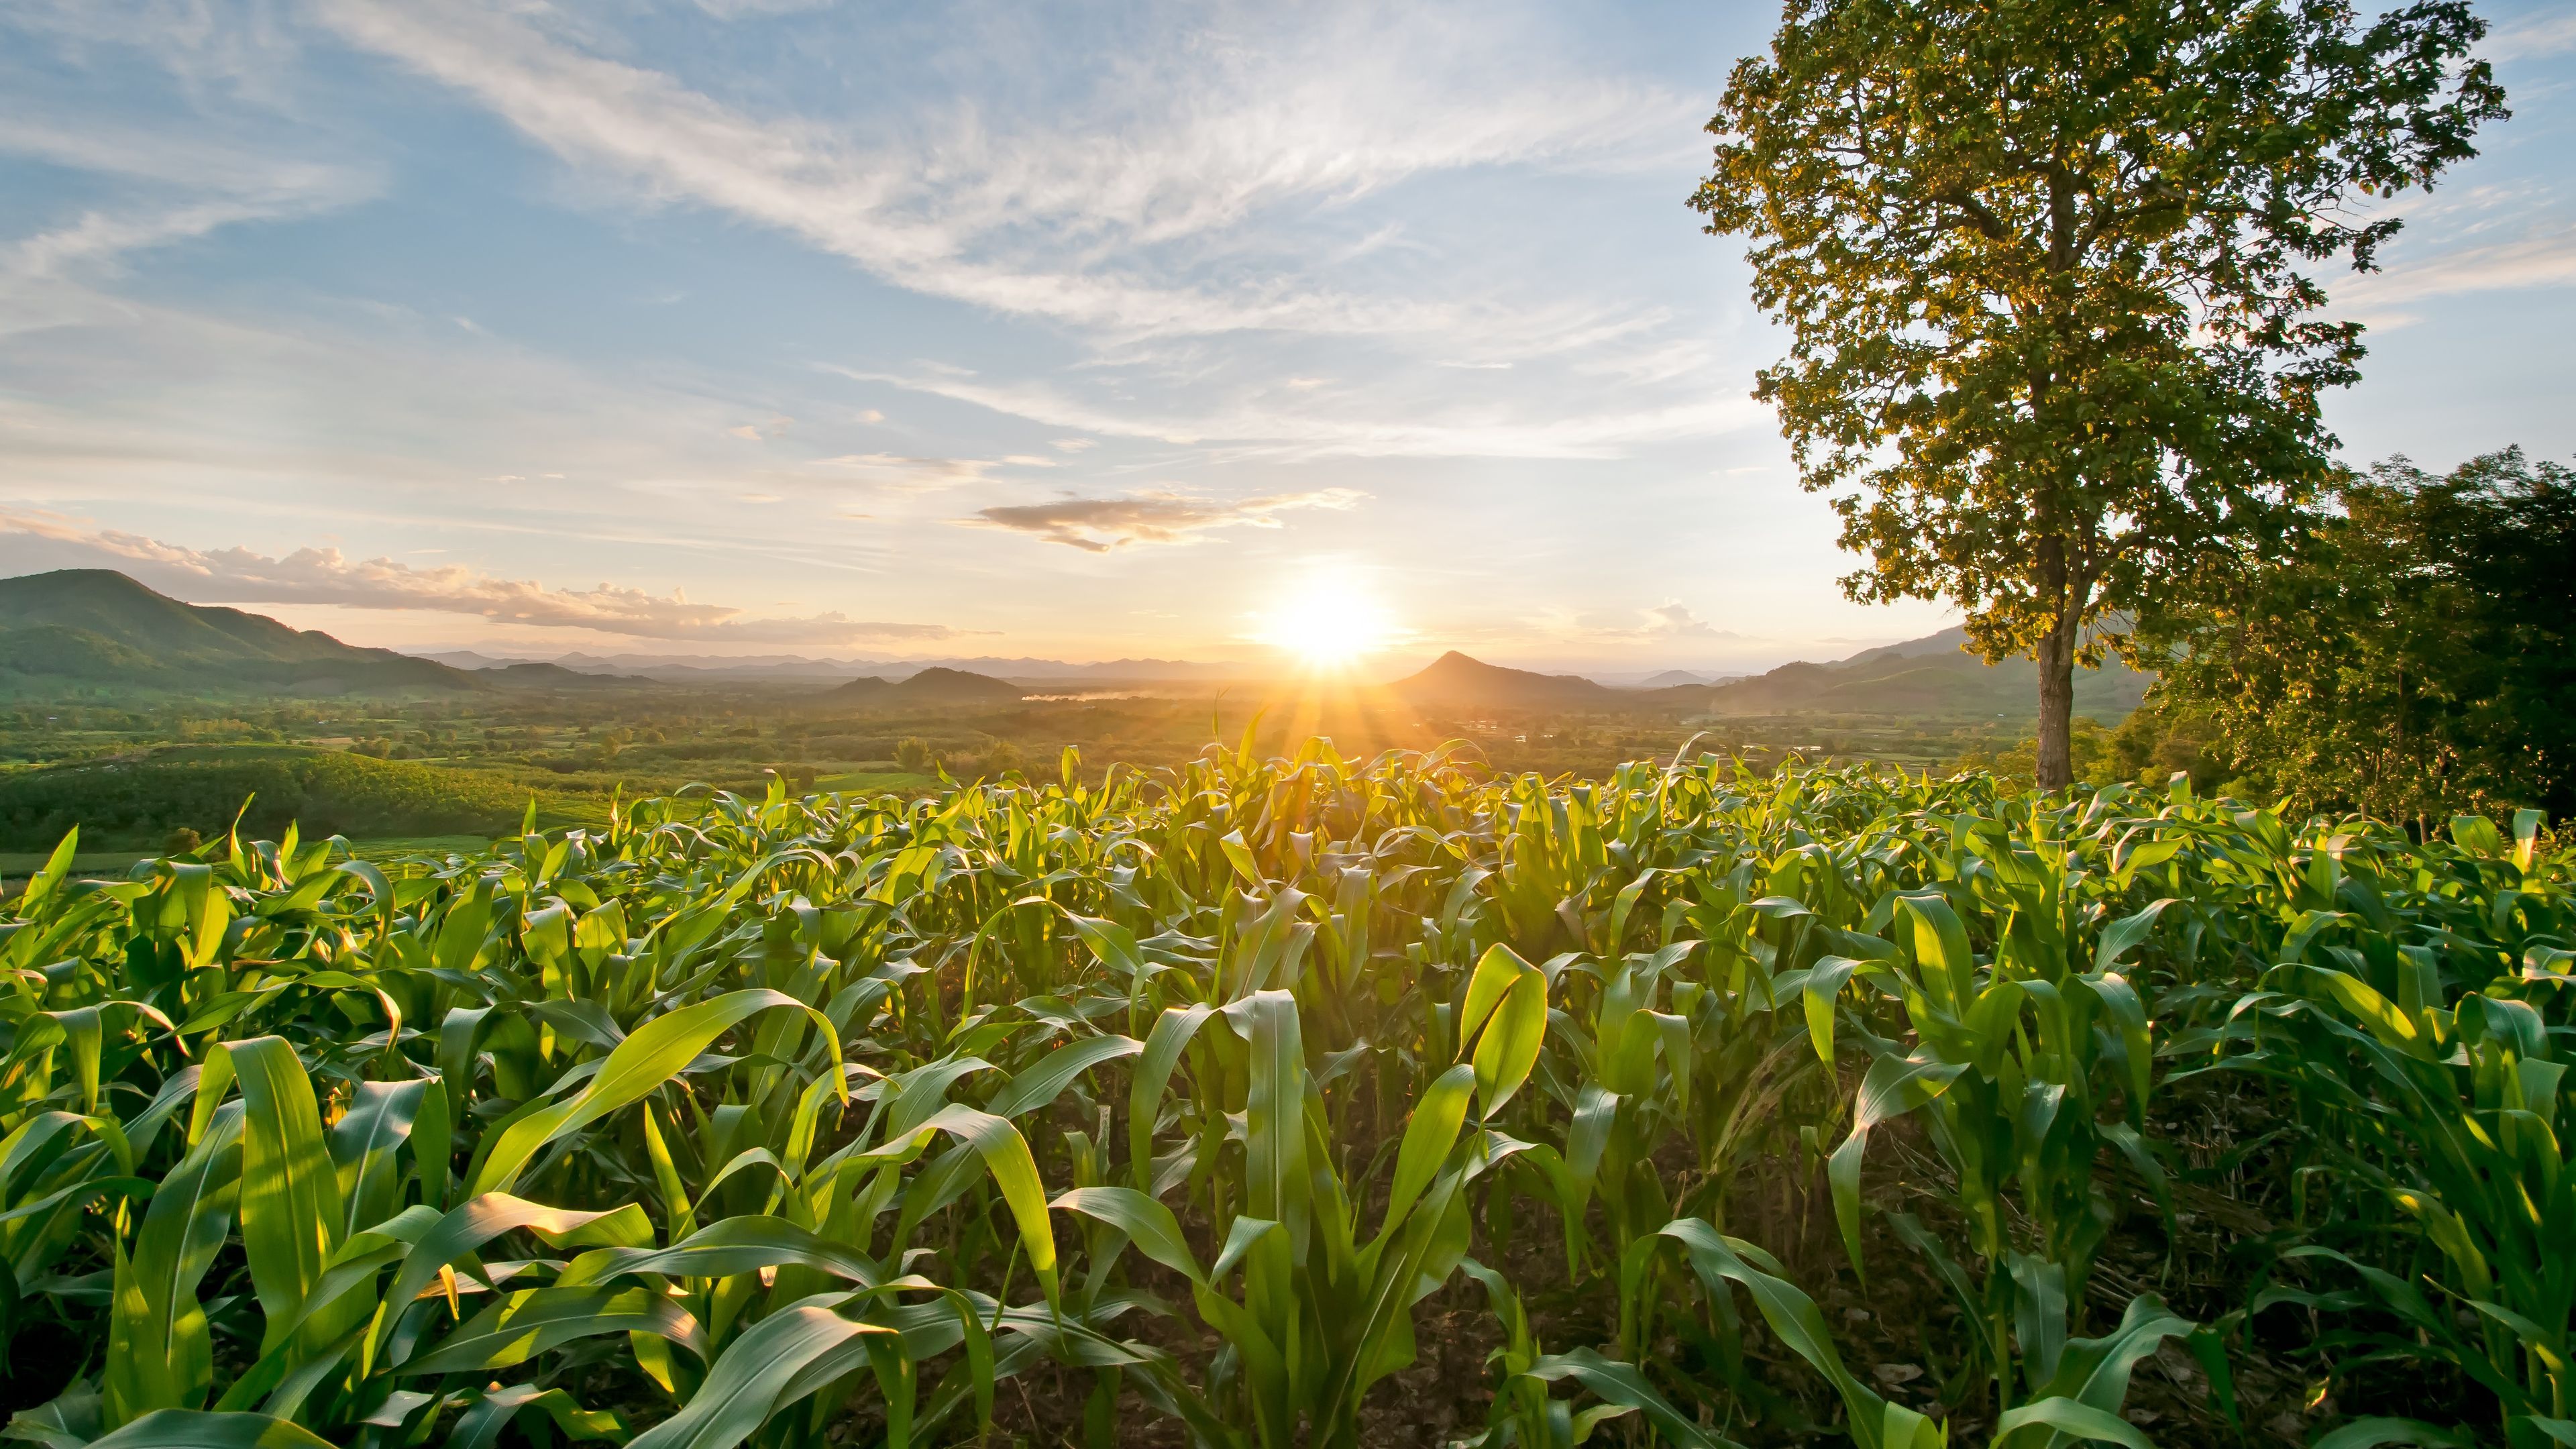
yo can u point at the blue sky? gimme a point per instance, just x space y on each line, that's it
755 326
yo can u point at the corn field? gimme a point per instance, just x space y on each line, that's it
1693 1106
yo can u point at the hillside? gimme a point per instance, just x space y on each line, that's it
935 686
97 625
1455 681
325 792
1927 677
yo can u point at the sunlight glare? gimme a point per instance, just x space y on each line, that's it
1327 621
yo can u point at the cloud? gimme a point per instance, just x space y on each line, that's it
897 473
1058 215
2551 32
1447 430
1672 619
1670 622
1097 525
2547 260
326 576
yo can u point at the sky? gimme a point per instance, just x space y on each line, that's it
1083 331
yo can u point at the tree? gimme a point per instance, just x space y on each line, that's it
912 756
2045 265
2414 657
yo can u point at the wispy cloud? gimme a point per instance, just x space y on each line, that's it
2546 260
1672 619
326 576
1365 427
897 473
2550 32
1098 525
1053 216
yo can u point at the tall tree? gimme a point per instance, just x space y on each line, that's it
2046 268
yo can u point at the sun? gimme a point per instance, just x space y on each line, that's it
1327 621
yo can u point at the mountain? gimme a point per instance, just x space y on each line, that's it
97 624
935 686
531 674
1672 678
718 669
1456 681
1928 676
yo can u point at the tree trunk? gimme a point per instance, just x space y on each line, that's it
2056 659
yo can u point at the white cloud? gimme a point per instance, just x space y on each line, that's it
1671 622
2547 260
1052 216
897 473
2550 32
1446 430
326 576
1672 619
1098 525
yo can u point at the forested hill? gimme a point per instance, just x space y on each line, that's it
99 625
1931 677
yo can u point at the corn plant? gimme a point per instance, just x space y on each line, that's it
785 1121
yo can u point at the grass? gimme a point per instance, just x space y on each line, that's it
1305 1100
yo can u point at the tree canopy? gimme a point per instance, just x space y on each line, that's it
2414 657
2049 268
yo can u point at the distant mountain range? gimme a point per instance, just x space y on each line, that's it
1455 681
1673 678
936 685
1932 675
96 626
1927 677
797 668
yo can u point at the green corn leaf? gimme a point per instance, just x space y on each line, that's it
1793 1316
1015 1172
1437 1115
533 1320
160 1354
650 1056
480 1426
1893 1087
1620 1385
1509 1047
478 1220
1163 1047
2371 1433
290 1192
1147 1223
1497 972
197 1429
2051 1420
2125 934
742 1388
50 876
1037 1088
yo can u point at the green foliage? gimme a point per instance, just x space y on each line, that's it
2415 658
2049 271
329 793
790 1120
912 756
